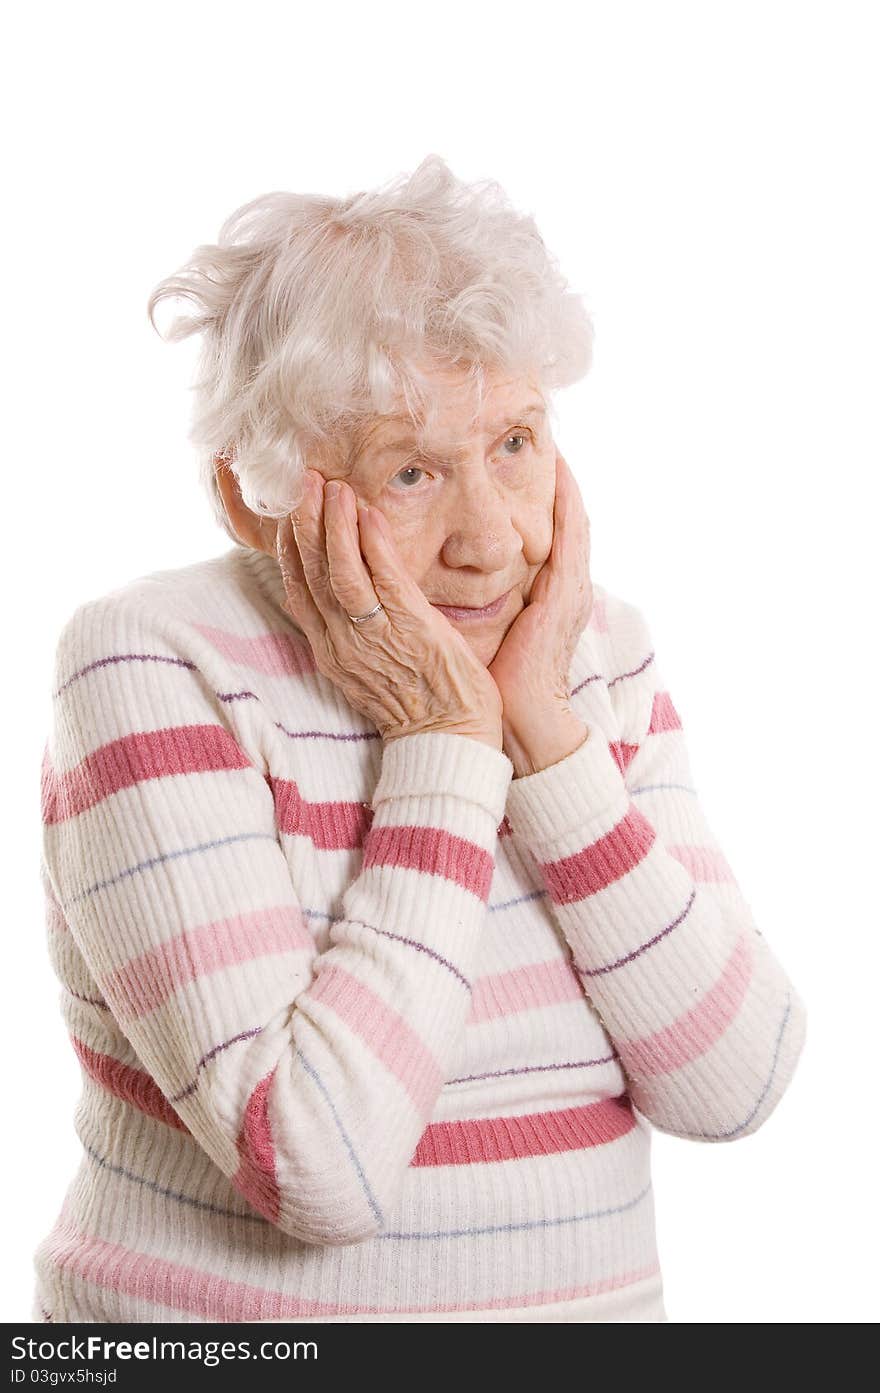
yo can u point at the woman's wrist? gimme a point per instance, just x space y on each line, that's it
544 743
487 734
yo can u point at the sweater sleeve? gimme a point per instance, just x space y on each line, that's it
307 1077
705 1020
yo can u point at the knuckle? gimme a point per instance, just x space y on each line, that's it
345 587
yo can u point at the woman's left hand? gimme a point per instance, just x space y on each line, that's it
531 667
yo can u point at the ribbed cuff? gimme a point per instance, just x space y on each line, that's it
568 794
442 763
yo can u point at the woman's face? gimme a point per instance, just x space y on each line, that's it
471 508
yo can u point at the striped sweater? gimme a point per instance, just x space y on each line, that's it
376 1033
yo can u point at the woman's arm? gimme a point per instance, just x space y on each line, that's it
307 1078
705 1020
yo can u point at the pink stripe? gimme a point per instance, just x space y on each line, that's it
603 862
153 754
663 715
330 826
277 655
486 1139
131 1085
434 851
217 1298
256 1177
175 1285
387 1033
523 989
704 863
623 753
143 983
692 1034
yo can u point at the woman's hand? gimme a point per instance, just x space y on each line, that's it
532 665
407 668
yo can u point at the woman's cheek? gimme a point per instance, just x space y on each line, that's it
410 542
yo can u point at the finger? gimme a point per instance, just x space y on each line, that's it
561 543
566 486
393 585
570 517
308 529
574 552
350 579
569 548
300 604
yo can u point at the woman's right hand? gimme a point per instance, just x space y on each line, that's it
407 668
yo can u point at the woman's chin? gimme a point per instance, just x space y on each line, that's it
485 637
485 644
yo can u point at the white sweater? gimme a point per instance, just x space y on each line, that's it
377 1033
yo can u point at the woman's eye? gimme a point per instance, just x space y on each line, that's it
409 471
523 438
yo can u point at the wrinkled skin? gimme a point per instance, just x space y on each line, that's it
406 668
532 665
482 519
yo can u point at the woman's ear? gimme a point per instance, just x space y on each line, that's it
250 529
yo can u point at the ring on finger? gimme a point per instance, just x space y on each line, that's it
362 618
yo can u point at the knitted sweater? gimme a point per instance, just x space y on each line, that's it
376 1032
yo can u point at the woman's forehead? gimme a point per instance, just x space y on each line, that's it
451 430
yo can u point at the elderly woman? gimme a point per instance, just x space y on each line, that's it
388 921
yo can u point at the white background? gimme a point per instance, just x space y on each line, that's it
706 174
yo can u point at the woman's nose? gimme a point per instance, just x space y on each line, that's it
479 528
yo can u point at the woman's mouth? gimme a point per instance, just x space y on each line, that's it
465 613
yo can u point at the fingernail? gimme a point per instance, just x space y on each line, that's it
332 489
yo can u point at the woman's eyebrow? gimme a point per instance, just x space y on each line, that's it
398 442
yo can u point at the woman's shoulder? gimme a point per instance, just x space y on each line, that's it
210 633
201 589
227 601
201 644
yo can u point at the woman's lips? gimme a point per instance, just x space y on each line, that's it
465 613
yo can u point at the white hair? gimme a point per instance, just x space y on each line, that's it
319 312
